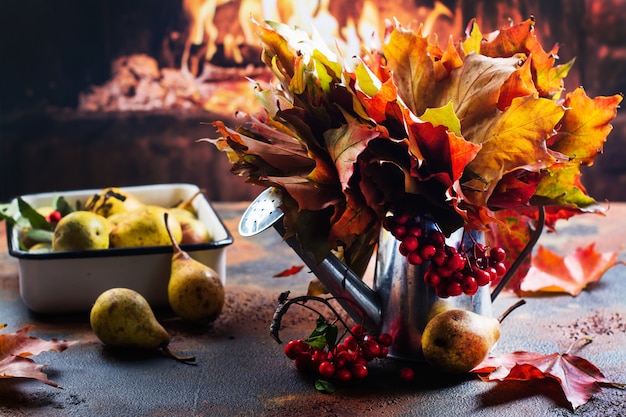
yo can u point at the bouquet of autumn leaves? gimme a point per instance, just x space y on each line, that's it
478 135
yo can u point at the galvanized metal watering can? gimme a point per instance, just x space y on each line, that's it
399 302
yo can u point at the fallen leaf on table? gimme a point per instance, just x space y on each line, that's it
579 379
289 271
14 349
572 273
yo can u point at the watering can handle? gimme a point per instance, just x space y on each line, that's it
523 255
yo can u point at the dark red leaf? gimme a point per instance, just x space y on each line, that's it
579 379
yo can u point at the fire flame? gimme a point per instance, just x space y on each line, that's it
346 27
229 26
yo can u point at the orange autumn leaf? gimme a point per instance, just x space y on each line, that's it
587 123
571 274
14 349
578 378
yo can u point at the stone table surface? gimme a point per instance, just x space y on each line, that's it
242 371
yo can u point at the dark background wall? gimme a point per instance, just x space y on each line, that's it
51 51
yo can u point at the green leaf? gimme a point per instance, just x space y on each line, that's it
324 334
331 336
316 342
473 40
366 80
62 205
562 187
37 221
9 212
40 235
443 116
323 385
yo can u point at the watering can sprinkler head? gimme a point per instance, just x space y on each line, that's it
262 213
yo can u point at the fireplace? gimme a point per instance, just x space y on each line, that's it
116 92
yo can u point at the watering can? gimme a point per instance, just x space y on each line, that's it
399 302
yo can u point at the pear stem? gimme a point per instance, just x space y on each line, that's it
585 341
183 359
175 245
509 310
188 202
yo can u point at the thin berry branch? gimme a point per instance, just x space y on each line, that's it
284 303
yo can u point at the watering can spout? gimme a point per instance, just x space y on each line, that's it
355 297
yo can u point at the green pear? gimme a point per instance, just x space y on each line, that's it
456 340
81 230
121 317
144 227
195 291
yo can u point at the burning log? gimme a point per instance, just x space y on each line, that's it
138 84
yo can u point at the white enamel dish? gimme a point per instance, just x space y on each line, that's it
64 282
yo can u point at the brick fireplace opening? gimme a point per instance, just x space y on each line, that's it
117 92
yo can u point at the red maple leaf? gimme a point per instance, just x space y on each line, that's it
572 273
289 271
14 349
579 379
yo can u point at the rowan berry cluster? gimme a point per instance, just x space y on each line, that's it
450 271
345 361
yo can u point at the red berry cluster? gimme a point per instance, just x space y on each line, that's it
451 271
346 361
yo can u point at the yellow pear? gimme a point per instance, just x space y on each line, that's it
181 213
112 200
456 340
193 229
121 317
41 247
187 204
438 307
195 291
115 219
81 230
144 227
